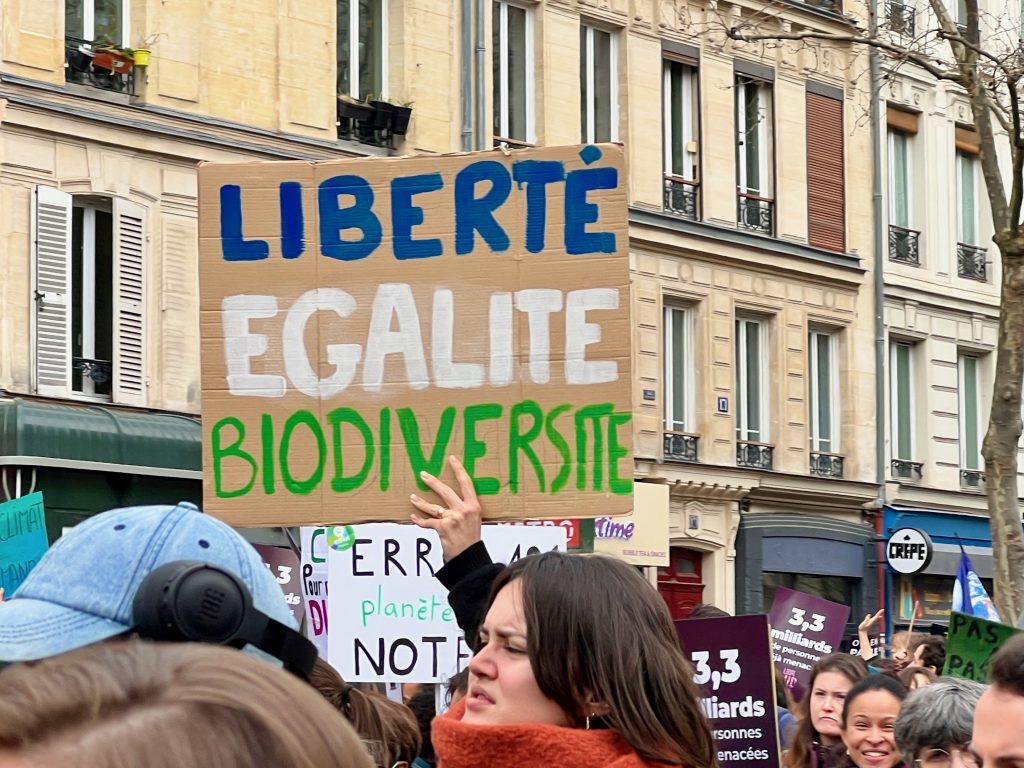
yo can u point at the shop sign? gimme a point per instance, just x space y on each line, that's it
641 537
909 551
732 663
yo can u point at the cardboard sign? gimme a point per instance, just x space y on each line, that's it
284 565
22 539
314 585
732 662
971 643
363 319
804 628
389 616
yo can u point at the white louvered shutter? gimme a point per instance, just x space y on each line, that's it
51 231
130 245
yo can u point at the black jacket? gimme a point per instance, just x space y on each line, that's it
468 578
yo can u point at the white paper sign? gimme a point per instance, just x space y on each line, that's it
314 585
389 616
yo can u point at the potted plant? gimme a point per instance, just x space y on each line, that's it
400 116
382 112
354 109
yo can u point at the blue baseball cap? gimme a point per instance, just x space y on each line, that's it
82 589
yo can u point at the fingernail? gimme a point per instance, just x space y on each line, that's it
414 497
426 475
452 459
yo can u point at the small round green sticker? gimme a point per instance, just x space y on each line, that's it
341 537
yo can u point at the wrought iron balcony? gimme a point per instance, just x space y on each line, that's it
903 469
971 261
826 464
825 5
757 213
680 446
681 197
99 371
754 455
901 18
903 245
106 67
972 480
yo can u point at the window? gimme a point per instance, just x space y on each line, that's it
824 391
362 36
967 198
512 52
899 179
751 381
599 84
682 151
826 194
902 407
89 291
968 394
101 21
754 153
679 366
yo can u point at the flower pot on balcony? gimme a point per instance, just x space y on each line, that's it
382 112
354 110
400 117
141 57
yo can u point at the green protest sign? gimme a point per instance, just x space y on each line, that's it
22 539
970 644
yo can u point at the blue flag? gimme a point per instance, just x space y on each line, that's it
969 595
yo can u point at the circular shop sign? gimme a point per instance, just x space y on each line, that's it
908 551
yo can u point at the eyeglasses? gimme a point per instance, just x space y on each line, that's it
941 758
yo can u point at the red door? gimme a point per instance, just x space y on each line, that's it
681 583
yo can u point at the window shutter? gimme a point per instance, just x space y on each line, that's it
967 140
826 198
129 303
51 230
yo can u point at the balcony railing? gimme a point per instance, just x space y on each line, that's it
901 18
903 245
105 67
902 469
503 142
833 6
680 446
754 212
754 455
99 371
826 464
972 480
971 261
682 197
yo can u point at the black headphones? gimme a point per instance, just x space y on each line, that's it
191 601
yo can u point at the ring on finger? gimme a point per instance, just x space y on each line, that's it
439 510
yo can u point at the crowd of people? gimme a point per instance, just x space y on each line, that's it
155 636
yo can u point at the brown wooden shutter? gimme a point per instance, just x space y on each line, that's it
967 140
901 120
826 194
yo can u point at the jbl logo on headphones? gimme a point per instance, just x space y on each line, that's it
211 604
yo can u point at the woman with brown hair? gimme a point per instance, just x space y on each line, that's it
168 705
818 742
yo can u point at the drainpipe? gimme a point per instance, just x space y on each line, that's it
878 274
467 75
481 73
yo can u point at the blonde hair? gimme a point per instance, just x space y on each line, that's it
169 705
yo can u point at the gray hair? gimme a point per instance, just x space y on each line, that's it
940 716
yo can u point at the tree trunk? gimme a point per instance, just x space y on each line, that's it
1000 448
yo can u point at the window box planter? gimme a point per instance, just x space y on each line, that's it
400 117
382 112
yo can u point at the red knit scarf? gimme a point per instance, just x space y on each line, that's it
459 745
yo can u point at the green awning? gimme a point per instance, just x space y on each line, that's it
35 433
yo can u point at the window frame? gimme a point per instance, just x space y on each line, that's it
502 108
672 368
895 382
765 135
976 461
588 102
690 110
353 49
89 22
743 429
814 368
908 174
961 158
90 206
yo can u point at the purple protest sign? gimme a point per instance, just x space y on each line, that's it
284 565
732 662
804 628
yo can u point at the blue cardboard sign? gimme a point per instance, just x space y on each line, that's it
22 539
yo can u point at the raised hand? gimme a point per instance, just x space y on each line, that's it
457 518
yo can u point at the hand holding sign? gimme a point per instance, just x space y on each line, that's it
457 519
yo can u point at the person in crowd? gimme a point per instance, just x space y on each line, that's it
787 721
869 717
881 665
929 653
917 677
81 591
707 611
458 685
424 708
388 729
998 738
817 742
899 646
936 722
167 705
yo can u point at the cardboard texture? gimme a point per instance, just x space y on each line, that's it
363 319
